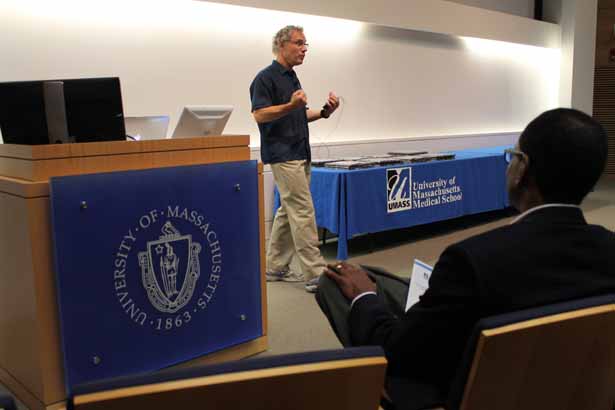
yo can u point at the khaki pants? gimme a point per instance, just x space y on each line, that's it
294 225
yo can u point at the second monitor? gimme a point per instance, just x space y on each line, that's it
146 127
200 120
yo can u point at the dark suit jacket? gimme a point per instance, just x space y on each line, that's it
550 255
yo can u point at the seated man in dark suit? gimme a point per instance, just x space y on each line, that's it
547 254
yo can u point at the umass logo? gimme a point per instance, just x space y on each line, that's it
399 181
167 268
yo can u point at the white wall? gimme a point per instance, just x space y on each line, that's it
396 83
523 8
434 16
577 19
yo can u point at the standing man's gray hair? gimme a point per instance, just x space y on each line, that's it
282 36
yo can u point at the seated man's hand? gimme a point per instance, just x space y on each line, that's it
352 280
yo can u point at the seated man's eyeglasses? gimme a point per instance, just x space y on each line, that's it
510 152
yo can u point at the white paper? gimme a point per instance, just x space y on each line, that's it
419 282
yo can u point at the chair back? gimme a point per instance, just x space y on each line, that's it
333 379
559 356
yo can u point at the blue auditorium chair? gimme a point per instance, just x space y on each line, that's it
553 357
342 379
7 402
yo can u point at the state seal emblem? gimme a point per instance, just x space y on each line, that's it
171 258
170 269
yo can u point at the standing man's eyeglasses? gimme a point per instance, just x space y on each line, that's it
300 43
511 151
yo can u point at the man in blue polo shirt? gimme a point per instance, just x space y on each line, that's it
279 106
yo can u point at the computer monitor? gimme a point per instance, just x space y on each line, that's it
146 127
55 112
200 120
92 108
22 113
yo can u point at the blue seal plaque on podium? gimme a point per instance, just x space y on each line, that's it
155 267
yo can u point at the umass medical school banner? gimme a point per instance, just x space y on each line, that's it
155 267
350 202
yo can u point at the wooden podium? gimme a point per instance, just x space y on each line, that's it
30 349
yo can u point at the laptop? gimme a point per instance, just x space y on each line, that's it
146 127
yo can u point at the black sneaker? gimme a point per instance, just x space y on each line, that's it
284 276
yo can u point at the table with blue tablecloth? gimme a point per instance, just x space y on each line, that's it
358 201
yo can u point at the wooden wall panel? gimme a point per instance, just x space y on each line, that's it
604 79
604 108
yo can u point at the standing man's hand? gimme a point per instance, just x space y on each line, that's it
351 279
298 99
332 103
